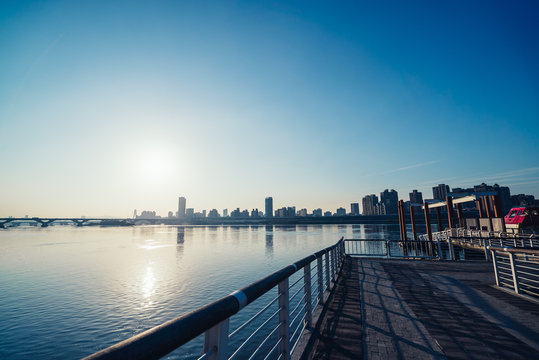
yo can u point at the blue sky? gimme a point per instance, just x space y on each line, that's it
110 106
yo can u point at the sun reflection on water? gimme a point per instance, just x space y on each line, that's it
148 287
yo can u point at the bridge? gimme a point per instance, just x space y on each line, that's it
45 222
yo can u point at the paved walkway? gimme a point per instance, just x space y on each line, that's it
392 309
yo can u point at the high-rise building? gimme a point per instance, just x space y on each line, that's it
368 203
440 192
354 209
380 209
390 199
269 206
416 197
189 212
225 212
317 212
181 207
341 212
505 197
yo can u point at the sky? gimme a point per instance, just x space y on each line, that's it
111 106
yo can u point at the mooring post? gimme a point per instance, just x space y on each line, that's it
460 215
450 217
479 203
404 231
399 210
439 218
427 220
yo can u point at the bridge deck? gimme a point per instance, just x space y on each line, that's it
391 309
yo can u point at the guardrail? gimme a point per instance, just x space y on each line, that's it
278 325
517 269
391 248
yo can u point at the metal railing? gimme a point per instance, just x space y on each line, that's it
516 269
391 248
273 332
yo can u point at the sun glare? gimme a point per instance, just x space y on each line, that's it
154 166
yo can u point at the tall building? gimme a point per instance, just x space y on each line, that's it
505 197
317 212
341 212
181 206
368 203
269 206
225 212
354 209
380 209
416 197
440 192
390 199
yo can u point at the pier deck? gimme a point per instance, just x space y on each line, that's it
392 309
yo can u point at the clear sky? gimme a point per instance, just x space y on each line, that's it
109 106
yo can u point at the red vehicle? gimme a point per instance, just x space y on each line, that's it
522 218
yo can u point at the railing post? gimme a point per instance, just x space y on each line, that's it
216 341
307 290
495 264
333 265
328 281
440 255
284 333
487 253
514 271
320 281
451 249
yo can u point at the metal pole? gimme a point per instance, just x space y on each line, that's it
307 291
451 249
216 341
514 271
320 281
487 207
496 204
284 333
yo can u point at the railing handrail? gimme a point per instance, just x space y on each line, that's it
514 250
162 339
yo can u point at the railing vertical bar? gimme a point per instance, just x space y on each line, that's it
284 335
514 271
307 289
320 269
326 256
495 264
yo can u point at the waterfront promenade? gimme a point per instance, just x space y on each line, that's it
398 309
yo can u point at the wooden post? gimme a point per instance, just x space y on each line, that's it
427 220
487 207
450 217
460 215
404 233
479 203
497 206
400 219
439 218
412 219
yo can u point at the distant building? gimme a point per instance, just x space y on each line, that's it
380 209
440 192
225 212
523 200
190 212
181 207
302 212
148 215
328 213
390 199
368 203
269 206
203 213
170 214
254 213
354 209
416 197
213 213
317 212
341 212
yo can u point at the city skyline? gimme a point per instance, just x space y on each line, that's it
107 107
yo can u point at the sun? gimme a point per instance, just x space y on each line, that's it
154 166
